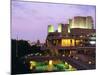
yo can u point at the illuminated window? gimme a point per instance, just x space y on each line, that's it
77 42
73 42
66 42
92 42
68 30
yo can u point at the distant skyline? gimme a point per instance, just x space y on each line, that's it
31 19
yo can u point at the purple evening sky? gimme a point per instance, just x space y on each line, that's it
30 19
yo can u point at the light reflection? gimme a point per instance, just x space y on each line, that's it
50 62
32 64
51 66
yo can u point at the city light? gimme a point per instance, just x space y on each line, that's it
73 42
59 28
50 62
66 42
77 42
76 58
70 67
63 55
81 22
50 66
50 28
32 64
90 62
92 42
69 47
66 63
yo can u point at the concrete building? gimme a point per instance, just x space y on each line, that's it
50 28
81 39
59 28
63 28
81 32
81 22
89 22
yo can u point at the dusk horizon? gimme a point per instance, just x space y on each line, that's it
30 20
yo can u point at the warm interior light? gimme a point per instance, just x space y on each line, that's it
66 42
73 42
77 42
